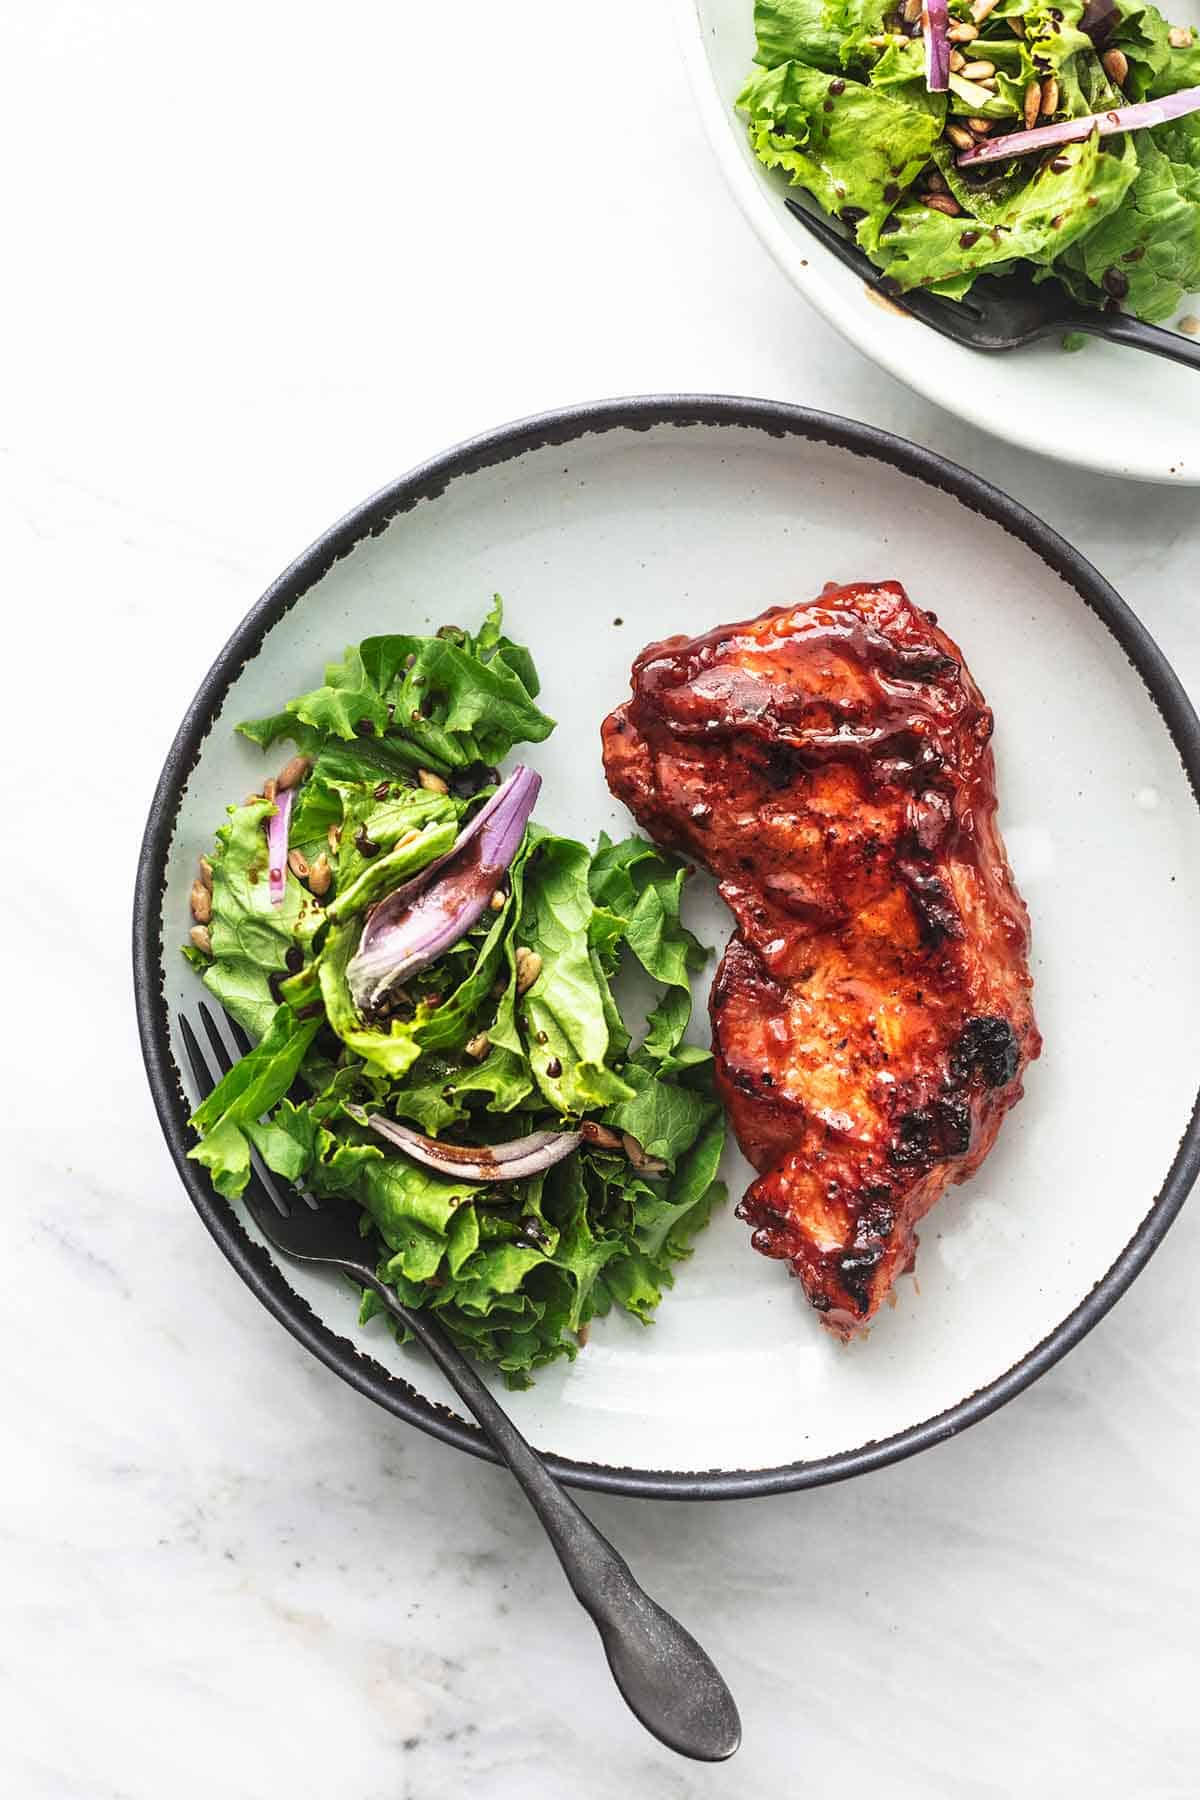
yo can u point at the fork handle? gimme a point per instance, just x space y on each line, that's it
1119 328
666 1679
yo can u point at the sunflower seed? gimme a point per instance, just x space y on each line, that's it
479 1045
270 788
529 967
201 903
431 782
943 203
649 1165
298 864
1116 66
1180 37
206 873
1049 96
963 34
962 139
320 875
978 71
981 9
600 1135
958 62
293 773
199 935
1032 104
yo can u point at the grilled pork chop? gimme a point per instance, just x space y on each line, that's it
831 764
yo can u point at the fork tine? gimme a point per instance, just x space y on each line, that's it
935 310
260 1190
921 297
240 1037
833 240
216 1040
968 304
195 1056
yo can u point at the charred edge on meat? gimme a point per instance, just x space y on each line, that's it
857 1265
936 914
987 1045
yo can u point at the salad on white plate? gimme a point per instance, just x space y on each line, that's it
955 137
1103 408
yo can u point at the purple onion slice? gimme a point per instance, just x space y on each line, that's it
511 1161
1071 131
1099 20
425 917
277 845
935 22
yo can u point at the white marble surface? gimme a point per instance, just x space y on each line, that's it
260 259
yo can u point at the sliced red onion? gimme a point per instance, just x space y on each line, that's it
277 845
1122 118
511 1161
421 920
424 876
935 22
1099 20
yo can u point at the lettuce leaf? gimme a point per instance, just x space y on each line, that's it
853 147
1181 70
1036 217
512 1279
564 1016
796 31
251 939
1148 253
1141 32
442 703
252 1087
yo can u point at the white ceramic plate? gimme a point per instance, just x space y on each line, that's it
1118 411
612 525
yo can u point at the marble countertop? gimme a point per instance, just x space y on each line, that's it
261 259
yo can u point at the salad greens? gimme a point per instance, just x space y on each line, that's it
840 104
513 1028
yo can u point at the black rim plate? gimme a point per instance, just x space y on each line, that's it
266 1279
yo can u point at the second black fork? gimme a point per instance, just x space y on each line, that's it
1000 312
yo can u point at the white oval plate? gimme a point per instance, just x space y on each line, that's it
609 526
1120 412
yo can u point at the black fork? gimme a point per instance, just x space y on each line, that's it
1000 312
666 1679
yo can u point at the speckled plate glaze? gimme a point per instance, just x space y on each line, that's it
1120 412
607 526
